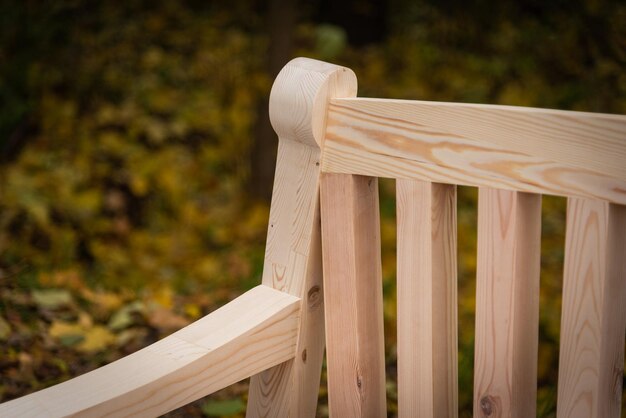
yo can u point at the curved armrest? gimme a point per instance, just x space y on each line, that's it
252 333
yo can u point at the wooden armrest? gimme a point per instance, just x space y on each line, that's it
254 332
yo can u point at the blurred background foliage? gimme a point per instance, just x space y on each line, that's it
136 158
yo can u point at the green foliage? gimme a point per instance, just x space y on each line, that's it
214 408
51 298
138 167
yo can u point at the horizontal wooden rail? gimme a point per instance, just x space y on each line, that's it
515 148
256 331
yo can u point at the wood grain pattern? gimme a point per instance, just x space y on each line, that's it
507 304
427 300
298 106
594 311
353 296
255 331
515 148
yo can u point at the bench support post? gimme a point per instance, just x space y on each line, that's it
298 106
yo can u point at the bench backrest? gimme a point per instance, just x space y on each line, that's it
514 155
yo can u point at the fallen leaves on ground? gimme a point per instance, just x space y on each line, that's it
50 334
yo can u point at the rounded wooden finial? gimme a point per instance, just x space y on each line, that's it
300 95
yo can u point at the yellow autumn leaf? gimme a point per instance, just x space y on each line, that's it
255 222
108 301
68 279
192 310
96 339
163 296
85 320
208 267
139 185
60 329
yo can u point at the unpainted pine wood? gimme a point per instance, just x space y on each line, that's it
298 107
427 299
256 331
353 296
507 304
593 320
514 148
293 265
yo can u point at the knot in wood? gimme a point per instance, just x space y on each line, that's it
314 297
487 405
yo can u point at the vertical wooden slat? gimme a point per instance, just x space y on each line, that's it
507 304
353 295
427 299
594 311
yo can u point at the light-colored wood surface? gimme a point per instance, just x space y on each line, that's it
515 148
593 319
300 96
507 304
298 106
427 299
254 332
293 265
353 296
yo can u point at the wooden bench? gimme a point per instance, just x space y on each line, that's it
324 212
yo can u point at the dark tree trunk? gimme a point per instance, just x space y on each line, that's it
281 20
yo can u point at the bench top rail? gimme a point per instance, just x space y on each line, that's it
526 149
